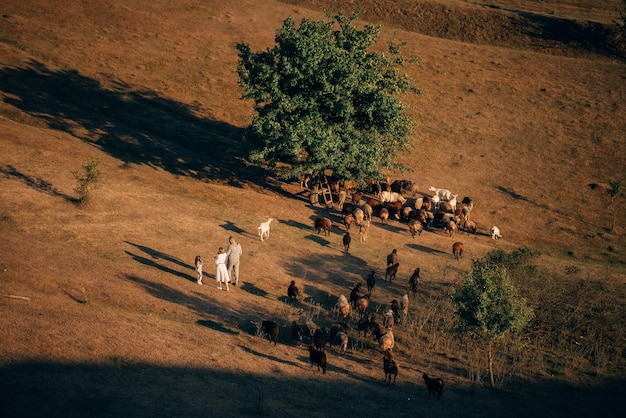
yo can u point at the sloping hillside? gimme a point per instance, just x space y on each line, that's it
100 314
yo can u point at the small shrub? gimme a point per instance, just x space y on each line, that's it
86 179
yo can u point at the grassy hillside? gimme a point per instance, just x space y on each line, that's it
100 312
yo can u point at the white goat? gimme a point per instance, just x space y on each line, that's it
264 229
495 232
443 193
453 201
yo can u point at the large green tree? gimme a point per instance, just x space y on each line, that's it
322 100
488 304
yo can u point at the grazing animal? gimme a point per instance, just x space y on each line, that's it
383 214
358 215
371 282
387 340
390 366
404 306
451 227
414 280
319 338
347 239
367 211
297 331
391 272
293 291
415 227
388 196
317 357
434 385
495 232
469 226
341 339
395 309
442 193
457 250
271 329
452 201
363 228
392 258
323 224
343 306
264 229
334 330
356 293
356 197
468 202
348 220
362 304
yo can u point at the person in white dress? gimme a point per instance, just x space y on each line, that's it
199 265
221 273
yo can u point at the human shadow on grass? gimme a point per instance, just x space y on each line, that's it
159 255
151 263
135 125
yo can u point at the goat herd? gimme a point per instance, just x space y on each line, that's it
387 201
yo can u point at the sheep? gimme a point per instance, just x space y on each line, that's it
419 202
390 366
451 228
434 385
317 357
443 193
457 250
341 339
469 226
387 341
343 195
334 330
404 306
293 291
346 242
323 224
319 338
495 232
356 197
388 320
271 329
415 227
407 213
446 207
362 304
388 196
391 272
264 229
367 211
414 280
363 229
348 220
383 215
371 282
343 306
358 215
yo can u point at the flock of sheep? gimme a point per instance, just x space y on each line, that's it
387 201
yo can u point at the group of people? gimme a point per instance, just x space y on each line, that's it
226 263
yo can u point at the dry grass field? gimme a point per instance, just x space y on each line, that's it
100 314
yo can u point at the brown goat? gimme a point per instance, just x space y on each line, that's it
390 366
317 357
457 250
323 224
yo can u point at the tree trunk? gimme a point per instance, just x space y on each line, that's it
490 350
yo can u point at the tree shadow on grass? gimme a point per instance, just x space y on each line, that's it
136 126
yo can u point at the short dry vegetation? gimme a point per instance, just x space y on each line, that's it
100 311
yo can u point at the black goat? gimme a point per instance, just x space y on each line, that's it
434 385
317 357
271 328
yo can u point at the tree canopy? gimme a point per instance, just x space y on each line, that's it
488 303
323 101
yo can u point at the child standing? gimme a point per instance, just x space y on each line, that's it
199 263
